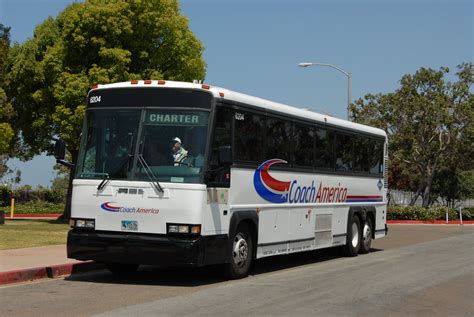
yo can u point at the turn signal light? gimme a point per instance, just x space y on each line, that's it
174 228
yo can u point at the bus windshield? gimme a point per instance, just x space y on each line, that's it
171 145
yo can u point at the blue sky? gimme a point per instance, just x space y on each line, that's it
254 47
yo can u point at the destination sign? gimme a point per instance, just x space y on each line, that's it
176 119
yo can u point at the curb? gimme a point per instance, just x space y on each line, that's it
430 222
54 271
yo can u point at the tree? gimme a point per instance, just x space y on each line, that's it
429 123
6 109
94 42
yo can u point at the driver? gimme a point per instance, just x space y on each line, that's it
179 153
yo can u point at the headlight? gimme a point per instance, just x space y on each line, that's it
82 223
175 228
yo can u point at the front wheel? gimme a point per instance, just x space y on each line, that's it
353 238
241 253
366 237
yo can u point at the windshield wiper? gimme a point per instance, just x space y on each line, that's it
104 181
150 174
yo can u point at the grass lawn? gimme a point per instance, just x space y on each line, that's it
15 234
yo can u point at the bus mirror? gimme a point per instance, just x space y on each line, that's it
225 155
59 149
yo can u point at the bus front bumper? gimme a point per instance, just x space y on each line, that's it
153 249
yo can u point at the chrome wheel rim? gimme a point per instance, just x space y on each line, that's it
367 234
355 235
240 250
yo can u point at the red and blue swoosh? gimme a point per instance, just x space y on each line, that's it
269 188
108 207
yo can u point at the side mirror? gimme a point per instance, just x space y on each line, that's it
225 155
59 149
60 154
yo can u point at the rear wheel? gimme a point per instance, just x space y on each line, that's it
122 268
366 237
353 238
241 253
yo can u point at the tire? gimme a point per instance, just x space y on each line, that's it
353 238
122 268
241 253
366 235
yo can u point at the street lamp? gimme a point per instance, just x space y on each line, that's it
349 80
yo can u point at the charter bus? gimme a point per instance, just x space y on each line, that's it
176 173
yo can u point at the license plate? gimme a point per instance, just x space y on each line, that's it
129 225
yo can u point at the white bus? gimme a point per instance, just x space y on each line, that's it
175 173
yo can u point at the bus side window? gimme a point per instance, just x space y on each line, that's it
249 137
324 151
361 154
376 156
222 132
279 140
303 155
344 152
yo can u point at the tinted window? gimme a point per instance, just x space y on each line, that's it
109 141
249 136
344 159
324 151
375 156
304 146
361 154
222 132
279 139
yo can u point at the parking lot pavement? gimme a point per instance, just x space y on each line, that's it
416 270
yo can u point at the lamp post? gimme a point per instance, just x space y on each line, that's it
349 81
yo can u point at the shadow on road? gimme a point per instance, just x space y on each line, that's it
192 277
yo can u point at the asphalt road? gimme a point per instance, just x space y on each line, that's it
416 270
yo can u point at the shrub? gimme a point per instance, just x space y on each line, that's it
38 207
428 214
26 194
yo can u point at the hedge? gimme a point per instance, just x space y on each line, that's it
37 207
433 213
25 194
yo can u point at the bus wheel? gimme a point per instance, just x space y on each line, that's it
366 237
122 268
241 253
353 238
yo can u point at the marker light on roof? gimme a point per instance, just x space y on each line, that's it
161 82
221 94
94 86
205 86
147 82
134 82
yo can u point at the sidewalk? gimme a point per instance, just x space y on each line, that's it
20 265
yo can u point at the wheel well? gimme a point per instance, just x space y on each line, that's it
254 231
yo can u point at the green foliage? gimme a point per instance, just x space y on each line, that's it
90 42
6 110
38 207
429 122
27 194
428 214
